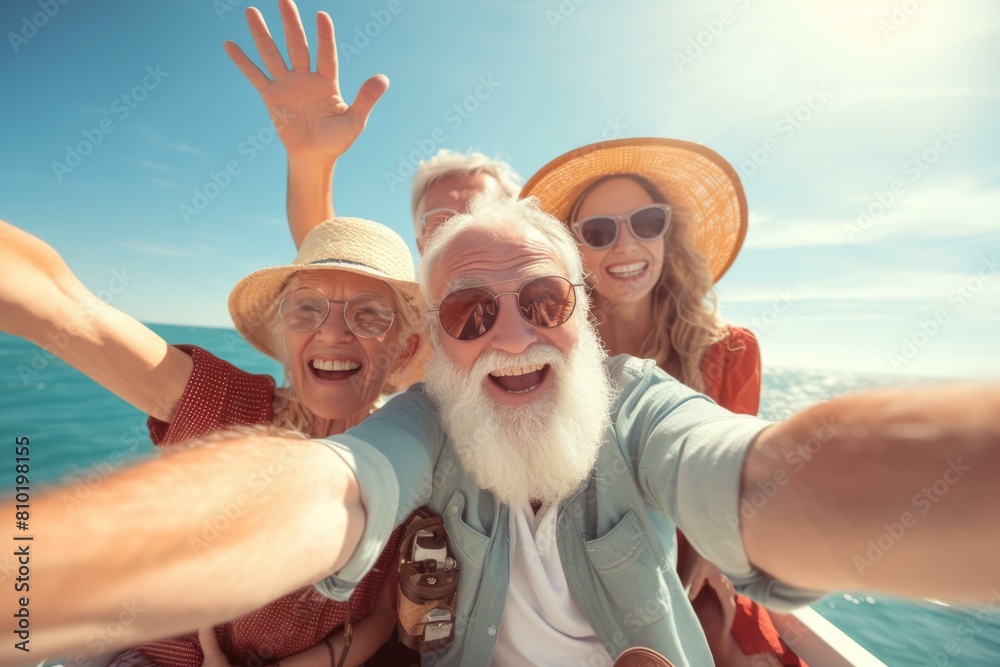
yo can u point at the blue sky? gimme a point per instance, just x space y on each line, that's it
865 132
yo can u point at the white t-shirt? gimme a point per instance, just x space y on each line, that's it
542 623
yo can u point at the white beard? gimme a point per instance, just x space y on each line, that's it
542 450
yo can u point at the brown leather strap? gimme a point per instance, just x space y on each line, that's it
641 657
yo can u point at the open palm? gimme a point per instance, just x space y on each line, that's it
310 114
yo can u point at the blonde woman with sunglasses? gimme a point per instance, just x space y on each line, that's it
658 221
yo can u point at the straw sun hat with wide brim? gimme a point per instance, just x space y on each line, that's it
341 244
690 176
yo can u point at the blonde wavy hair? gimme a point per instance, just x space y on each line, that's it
290 413
685 307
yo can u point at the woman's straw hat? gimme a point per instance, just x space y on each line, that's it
690 176
340 244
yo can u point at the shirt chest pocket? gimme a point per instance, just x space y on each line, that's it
470 547
630 570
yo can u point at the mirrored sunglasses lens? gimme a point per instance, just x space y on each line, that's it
649 223
468 314
599 232
304 310
547 302
369 315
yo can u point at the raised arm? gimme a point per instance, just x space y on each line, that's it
248 519
42 301
314 122
894 491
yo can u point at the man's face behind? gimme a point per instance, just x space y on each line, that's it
450 193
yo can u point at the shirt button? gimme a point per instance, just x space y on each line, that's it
454 509
491 631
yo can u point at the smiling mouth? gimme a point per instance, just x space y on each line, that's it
334 370
628 271
519 379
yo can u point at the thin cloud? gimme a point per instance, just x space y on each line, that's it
182 147
957 209
152 165
882 285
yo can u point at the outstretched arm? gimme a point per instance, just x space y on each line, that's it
315 123
894 491
42 301
249 518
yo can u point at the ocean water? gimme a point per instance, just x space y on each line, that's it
80 433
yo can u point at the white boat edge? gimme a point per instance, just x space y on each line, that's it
816 640
819 642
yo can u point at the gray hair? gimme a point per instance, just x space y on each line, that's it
497 214
451 163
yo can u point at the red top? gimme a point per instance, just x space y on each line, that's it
731 370
219 395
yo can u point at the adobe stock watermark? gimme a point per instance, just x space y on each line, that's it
86 481
363 35
121 108
101 640
786 127
900 15
913 167
696 45
453 117
927 330
966 631
30 25
257 484
223 7
924 501
562 12
767 318
218 180
797 459
613 129
782 302
57 341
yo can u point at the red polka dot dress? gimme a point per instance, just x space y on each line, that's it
219 395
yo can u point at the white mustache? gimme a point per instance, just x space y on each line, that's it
536 353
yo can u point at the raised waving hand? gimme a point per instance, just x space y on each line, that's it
313 120
307 107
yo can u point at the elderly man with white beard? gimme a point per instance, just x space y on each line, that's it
560 475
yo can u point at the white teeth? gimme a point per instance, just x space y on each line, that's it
326 365
628 270
517 370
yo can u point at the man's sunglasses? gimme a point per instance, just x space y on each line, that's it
647 223
366 315
546 302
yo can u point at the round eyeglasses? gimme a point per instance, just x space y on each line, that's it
366 315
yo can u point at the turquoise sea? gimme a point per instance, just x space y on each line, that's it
79 432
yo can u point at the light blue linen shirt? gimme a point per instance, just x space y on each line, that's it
671 456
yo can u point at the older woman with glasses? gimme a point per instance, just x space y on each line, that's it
658 221
342 319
